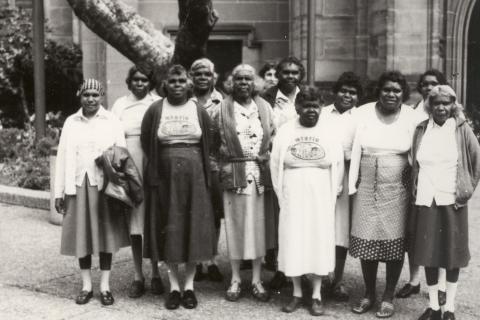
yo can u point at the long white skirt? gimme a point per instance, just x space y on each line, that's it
307 222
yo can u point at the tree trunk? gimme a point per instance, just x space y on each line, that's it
137 39
197 19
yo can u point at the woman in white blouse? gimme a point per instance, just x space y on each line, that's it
130 109
88 227
378 177
446 170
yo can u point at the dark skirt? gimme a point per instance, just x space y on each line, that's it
179 220
90 226
439 236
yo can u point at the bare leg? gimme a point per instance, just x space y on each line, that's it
190 269
173 276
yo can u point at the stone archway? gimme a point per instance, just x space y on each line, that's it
458 16
472 101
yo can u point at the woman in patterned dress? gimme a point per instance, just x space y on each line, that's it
245 127
378 177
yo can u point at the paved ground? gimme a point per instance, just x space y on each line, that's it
37 283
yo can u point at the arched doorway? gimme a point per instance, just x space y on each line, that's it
473 63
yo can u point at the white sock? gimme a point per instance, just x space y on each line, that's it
86 279
105 280
415 276
451 292
442 279
317 285
297 287
433 295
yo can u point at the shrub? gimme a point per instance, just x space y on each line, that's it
62 70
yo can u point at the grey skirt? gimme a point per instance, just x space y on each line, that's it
89 226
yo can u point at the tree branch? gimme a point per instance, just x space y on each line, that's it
125 30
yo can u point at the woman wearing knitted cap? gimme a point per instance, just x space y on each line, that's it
88 225
245 125
446 169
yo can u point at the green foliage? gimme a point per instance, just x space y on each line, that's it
62 70
25 162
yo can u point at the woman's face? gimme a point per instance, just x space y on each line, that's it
428 82
139 85
442 106
202 79
309 112
346 98
177 87
270 78
243 84
90 102
391 96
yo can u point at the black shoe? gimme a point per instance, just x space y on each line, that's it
408 290
430 314
173 300
189 301
317 308
340 293
199 275
442 297
246 265
214 274
293 305
447 315
83 297
106 298
278 281
137 289
156 286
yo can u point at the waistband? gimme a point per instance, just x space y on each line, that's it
181 145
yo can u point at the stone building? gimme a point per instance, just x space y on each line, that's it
366 36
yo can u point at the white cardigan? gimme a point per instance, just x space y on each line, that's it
109 131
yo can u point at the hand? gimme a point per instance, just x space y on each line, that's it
60 205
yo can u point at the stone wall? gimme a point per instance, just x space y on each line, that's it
269 20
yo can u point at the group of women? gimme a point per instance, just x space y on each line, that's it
410 173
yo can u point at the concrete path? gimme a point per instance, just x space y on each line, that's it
36 282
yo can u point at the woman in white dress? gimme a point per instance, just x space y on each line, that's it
130 109
307 173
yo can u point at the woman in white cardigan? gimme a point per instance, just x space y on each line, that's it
307 170
88 227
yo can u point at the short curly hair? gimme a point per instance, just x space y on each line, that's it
350 79
393 76
431 72
308 93
267 66
446 91
258 82
291 60
132 71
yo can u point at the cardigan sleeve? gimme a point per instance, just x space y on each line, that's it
146 129
473 149
60 162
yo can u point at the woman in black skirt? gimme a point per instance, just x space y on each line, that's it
446 170
179 220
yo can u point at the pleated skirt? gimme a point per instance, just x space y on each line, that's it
89 227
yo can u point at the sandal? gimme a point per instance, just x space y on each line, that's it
259 292
234 291
363 306
386 310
